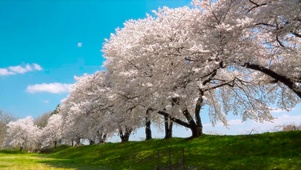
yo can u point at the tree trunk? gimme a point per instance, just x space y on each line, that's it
55 144
168 127
125 135
124 138
196 129
21 148
148 131
77 140
101 137
199 128
91 142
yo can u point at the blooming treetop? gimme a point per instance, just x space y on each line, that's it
23 133
52 132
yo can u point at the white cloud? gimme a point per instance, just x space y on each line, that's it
19 69
46 101
235 122
286 119
5 72
236 126
49 88
79 44
37 67
275 125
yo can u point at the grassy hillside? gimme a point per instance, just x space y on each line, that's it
281 150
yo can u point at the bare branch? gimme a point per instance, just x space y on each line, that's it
256 5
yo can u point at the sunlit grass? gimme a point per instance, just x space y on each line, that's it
26 162
280 150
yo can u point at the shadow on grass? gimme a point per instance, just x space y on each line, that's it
74 164
12 151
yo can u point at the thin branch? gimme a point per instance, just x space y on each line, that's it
296 34
256 5
147 74
229 83
265 24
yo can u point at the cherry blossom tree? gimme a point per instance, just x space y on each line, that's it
74 128
52 132
185 58
23 134
92 110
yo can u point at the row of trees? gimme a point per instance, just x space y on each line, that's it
228 56
31 134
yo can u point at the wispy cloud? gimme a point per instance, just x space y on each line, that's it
49 88
236 126
5 72
37 66
20 69
79 44
46 101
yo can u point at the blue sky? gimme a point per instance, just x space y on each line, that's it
45 43
64 38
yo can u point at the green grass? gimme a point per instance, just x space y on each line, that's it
281 150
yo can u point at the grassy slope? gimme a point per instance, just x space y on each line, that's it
280 150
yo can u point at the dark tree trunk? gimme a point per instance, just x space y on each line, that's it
148 131
168 127
91 142
101 137
195 129
199 126
124 138
21 148
125 135
77 140
168 123
55 144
